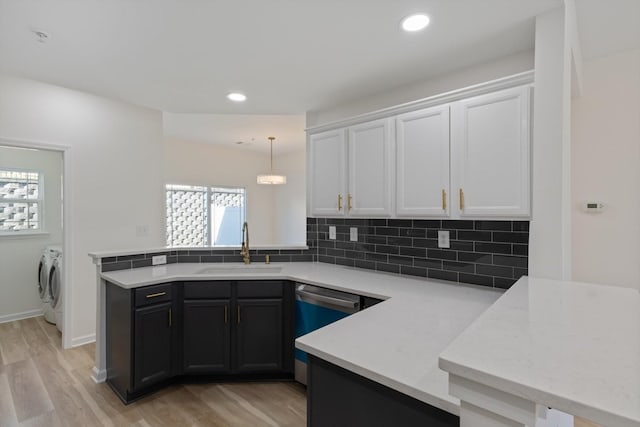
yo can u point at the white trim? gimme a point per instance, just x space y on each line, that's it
67 238
22 234
19 316
519 79
98 376
85 339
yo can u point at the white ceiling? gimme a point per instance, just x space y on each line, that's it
228 129
288 56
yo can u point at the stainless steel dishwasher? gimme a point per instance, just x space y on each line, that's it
317 307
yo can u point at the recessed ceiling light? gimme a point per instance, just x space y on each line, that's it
237 96
415 22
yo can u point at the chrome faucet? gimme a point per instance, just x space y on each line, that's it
244 251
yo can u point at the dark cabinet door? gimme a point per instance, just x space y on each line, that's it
152 344
206 338
259 334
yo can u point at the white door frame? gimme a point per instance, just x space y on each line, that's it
67 232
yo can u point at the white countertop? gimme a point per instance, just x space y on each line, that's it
395 343
571 346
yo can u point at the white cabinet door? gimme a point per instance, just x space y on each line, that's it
422 165
490 140
327 163
370 161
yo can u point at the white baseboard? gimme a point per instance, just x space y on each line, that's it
98 376
85 339
19 316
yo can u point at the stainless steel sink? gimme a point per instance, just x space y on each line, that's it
240 269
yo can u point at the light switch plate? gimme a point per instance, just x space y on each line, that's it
332 232
353 234
443 239
159 260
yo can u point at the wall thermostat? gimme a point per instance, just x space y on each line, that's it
593 207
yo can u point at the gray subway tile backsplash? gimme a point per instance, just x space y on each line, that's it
487 253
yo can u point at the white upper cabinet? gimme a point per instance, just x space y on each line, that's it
422 163
469 158
490 140
370 163
327 167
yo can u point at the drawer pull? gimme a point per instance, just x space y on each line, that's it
238 314
170 319
339 202
444 200
461 200
226 314
157 294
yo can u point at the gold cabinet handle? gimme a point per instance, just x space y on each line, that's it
170 319
226 314
158 294
349 198
461 200
238 314
339 202
444 199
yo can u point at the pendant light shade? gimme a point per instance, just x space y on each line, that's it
271 178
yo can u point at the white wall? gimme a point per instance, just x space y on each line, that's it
606 168
19 255
193 163
480 73
116 175
290 206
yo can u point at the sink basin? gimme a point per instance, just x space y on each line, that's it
240 269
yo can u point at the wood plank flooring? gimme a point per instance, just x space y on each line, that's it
42 385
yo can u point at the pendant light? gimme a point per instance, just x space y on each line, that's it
271 179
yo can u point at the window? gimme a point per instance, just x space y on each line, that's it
20 201
205 216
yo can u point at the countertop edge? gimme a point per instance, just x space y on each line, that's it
438 402
545 398
125 252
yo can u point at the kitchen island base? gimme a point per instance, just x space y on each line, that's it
337 397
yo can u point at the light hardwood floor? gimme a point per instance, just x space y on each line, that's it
42 385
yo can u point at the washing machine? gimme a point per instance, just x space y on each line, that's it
56 288
49 254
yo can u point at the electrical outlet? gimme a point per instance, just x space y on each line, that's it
332 232
159 259
353 234
443 239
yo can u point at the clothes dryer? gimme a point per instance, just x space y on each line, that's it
56 289
44 269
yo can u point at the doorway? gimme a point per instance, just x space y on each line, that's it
34 228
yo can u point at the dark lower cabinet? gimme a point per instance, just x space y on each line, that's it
206 337
141 338
153 347
221 329
340 398
259 335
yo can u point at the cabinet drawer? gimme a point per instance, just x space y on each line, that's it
207 290
261 289
153 294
